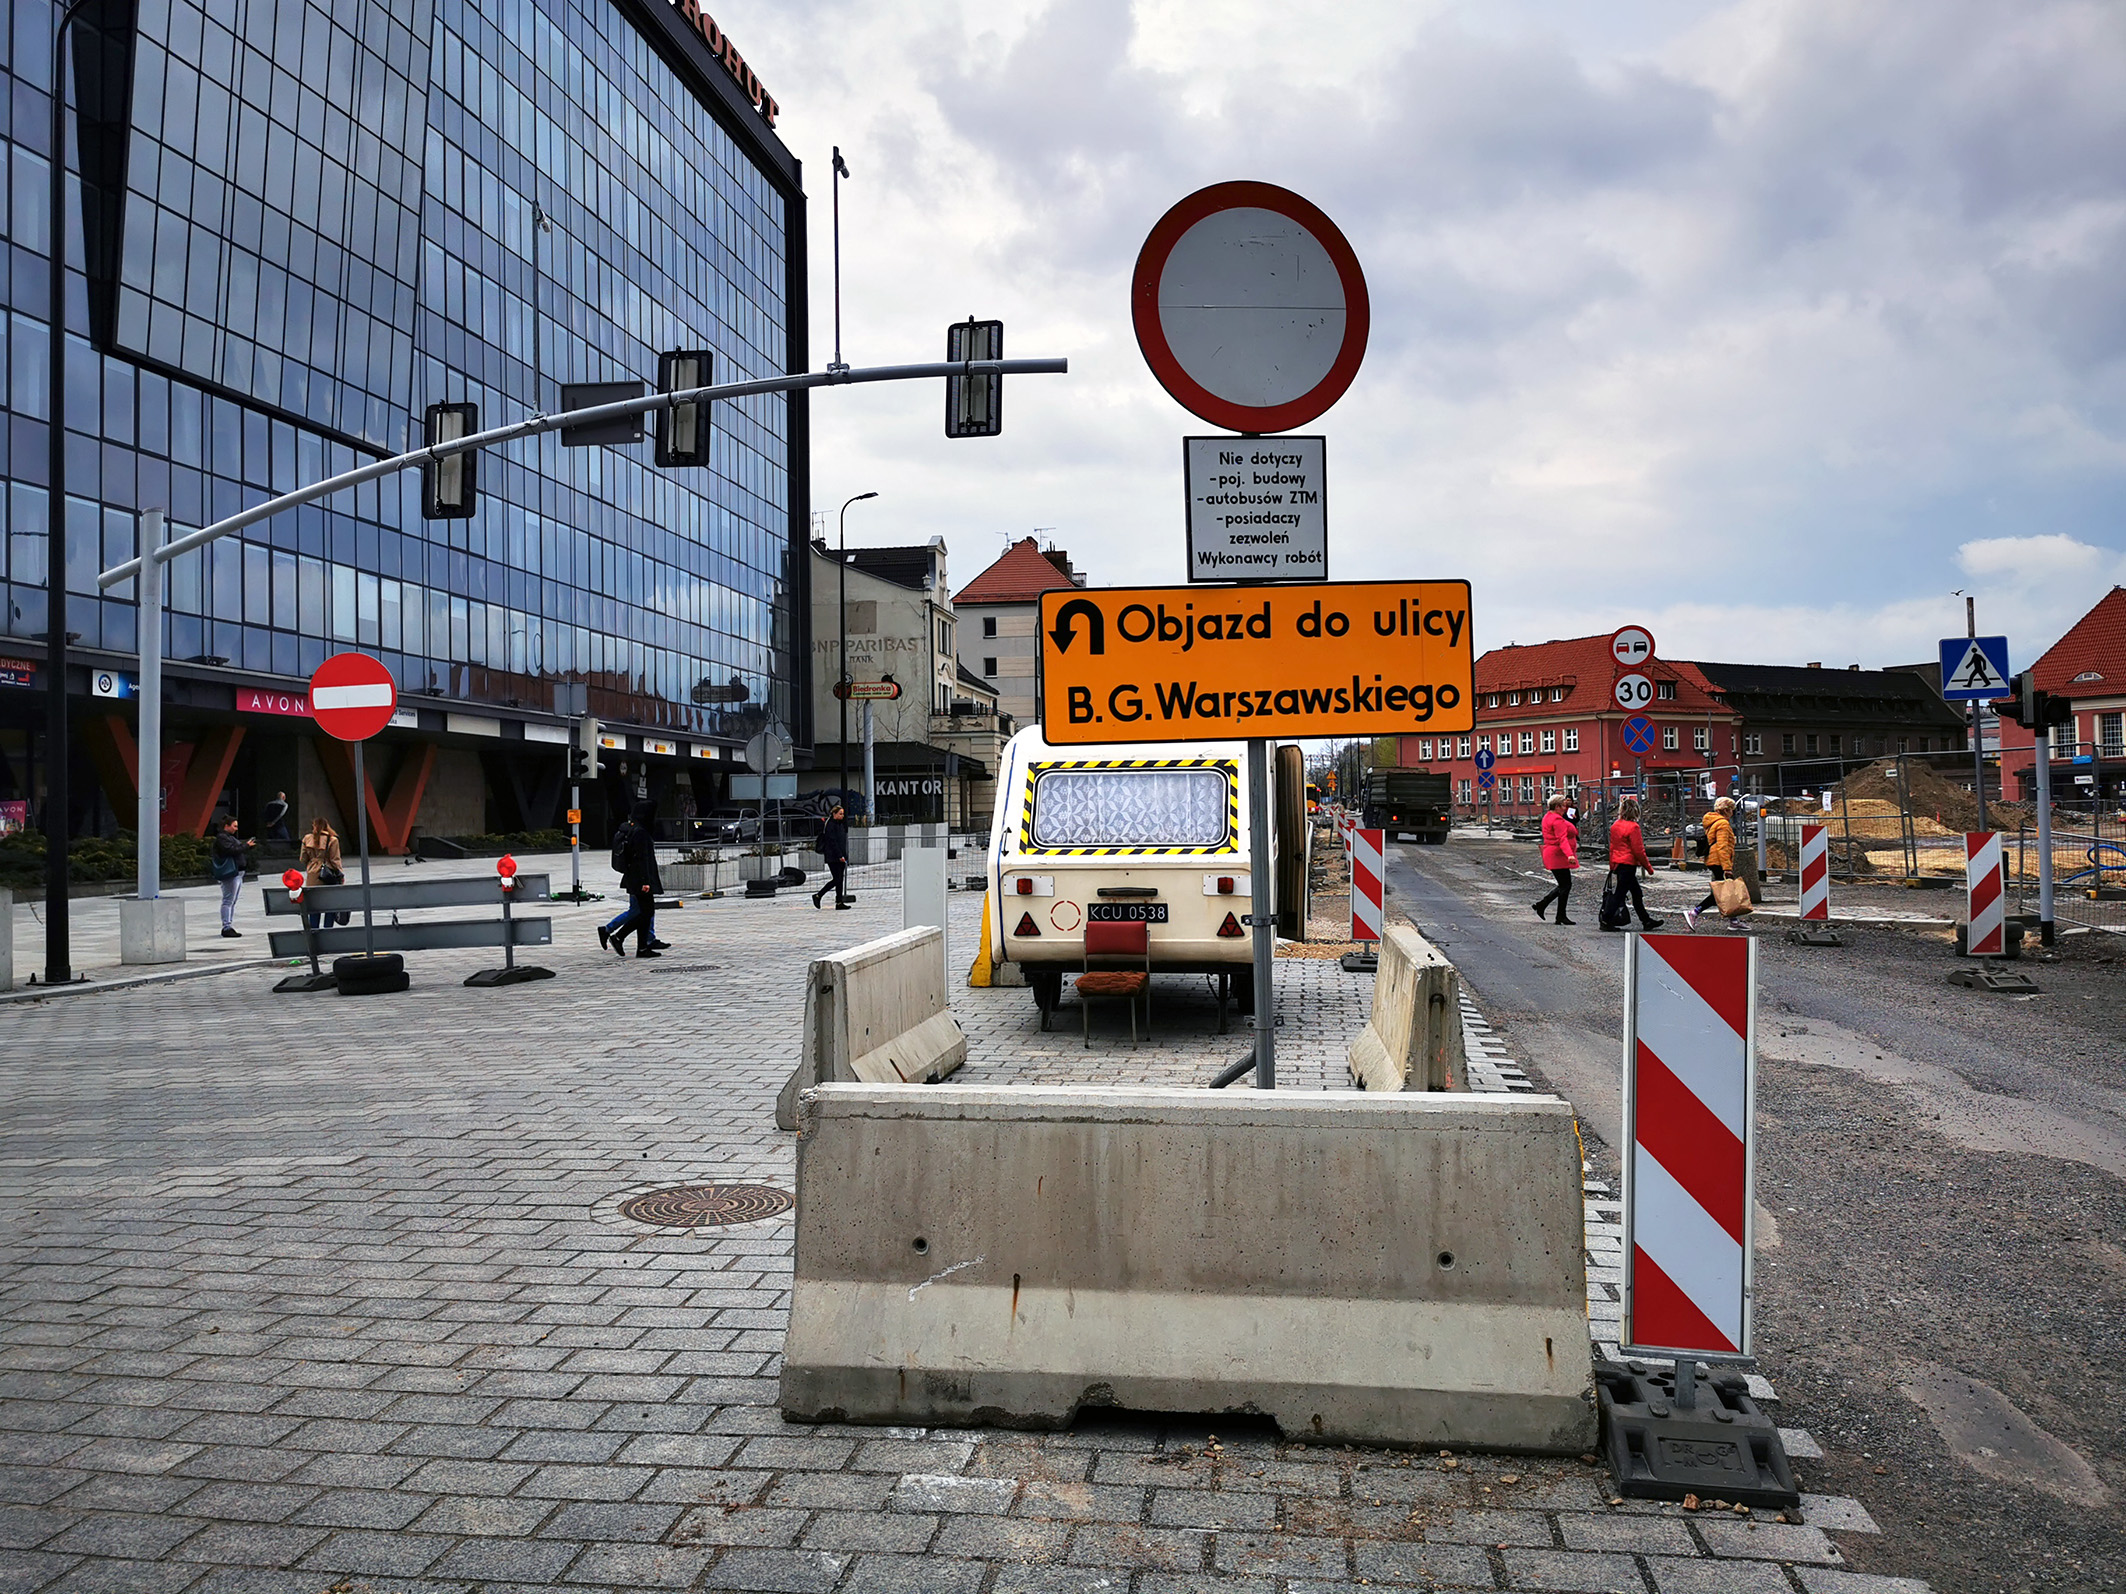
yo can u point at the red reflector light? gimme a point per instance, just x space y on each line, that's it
1027 926
1025 886
1231 928
1225 885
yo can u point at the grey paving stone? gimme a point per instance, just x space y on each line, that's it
639 1566
895 1532
470 1477
678 1450
249 1544
361 1508
122 1577
916 1574
913 1455
1700 1576
1217 1583
1837 1514
1058 1580
1632 1534
595 1520
1493 1527
379 1554
1008 1539
930 1492
1566 1570
710 1486
507 1560
485 1517
564 1482
1771 1541
36 1485
549 1445
776 1571
1443 1565
828 1491
130 1455
1212 1508
24 1570
123 1534
355 1471
1282 1555
1822 1580
111 1491
712 1524
248 1502
24 1527
806 1453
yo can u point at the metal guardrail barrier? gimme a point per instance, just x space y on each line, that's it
420 935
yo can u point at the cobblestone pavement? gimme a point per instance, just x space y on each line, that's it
308 1294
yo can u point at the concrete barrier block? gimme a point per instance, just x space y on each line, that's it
7 939
1373 1268
877 1013
1413 1040
151 930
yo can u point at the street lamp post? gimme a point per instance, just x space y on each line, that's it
58 750
841 689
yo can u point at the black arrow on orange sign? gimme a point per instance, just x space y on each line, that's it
1064 633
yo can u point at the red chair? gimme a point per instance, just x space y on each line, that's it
1126 949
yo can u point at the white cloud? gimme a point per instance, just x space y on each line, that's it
1768 322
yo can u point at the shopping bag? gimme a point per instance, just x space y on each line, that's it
1732 897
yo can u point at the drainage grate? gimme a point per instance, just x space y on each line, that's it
688 968
704 1206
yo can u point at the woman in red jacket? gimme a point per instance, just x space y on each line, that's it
1561 855
1627 855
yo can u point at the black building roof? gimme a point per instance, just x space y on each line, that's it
969 678
905 567
1832 697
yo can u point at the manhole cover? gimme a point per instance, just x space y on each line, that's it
702 1206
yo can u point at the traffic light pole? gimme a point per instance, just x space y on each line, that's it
2043 737
575 842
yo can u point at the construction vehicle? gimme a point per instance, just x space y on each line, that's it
1409 804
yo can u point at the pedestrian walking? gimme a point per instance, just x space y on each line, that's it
226 858
1561 855
635 856
319 859
1719 853
1627 856
275 817
834 847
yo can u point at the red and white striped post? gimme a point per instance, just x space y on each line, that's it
1816 873
1369 868
1690 1077
1987 934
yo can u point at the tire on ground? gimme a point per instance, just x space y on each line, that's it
373 984
358 967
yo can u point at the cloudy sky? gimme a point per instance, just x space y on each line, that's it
1767 323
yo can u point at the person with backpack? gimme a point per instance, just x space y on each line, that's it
1627 856
834 848
227 859
1719 853
1561 855
635 857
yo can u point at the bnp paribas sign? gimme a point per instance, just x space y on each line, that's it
720 46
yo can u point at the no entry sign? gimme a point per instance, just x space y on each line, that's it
1250 307
352 696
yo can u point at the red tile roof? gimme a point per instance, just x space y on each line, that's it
1020 576
2096 643
1583 666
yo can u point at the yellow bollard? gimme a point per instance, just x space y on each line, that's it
980 975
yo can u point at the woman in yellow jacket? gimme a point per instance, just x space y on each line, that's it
1719 852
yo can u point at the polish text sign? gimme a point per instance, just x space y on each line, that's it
1257 508
1690 1065
1183 664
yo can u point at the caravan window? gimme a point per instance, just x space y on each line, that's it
1130 808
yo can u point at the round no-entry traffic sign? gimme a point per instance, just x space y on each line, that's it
352 696
1640 734
1634 691
1632 646
1250 307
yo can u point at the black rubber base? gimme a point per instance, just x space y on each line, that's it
357 967
309 982
374 984
517 976
1814 935
1360 963
1721 1448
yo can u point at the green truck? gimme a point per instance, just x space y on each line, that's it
1414 803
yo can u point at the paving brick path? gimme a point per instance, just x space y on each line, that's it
314 1294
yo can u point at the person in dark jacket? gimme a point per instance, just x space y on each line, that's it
228 857
640 884
834 847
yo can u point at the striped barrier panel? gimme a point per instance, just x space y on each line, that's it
1816 872
1369 867
1987 936
1690 1060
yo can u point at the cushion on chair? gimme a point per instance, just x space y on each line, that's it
1113 982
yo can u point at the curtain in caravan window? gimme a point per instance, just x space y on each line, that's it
1130 808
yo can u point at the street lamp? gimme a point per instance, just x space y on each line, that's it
58 752
841 689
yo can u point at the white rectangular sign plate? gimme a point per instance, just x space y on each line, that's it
1257 508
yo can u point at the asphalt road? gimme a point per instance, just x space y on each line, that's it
1942 1208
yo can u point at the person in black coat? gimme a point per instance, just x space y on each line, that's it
640 884
834 847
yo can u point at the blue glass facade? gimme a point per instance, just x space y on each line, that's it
312 222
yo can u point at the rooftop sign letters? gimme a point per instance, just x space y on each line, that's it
720 46
1168 664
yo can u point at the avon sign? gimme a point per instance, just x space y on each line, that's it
259 700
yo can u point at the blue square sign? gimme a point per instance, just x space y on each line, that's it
1974 668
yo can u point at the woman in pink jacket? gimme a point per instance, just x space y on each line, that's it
1561 855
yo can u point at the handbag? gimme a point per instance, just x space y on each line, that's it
327 875
1732 897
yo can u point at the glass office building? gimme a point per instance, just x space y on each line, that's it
298 226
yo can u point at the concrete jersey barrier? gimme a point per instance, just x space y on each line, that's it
876 1013
1361 1267
1413 1040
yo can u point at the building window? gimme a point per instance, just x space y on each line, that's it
1904 744
989 625
2111 735
1461 747
1424 749
1926 744
1701 738
1550 741
1812 741
2063 740
1527 788
1483 743
1492 701
1753 743
1666 691
1527 742
1572 741
1572 785
1550 787
1513 700
989 666
1669 742
1465 794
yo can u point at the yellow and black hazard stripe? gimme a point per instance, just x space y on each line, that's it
1224 766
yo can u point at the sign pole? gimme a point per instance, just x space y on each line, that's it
361 825
1260 915
149 759
575 843
1978 742
2044 835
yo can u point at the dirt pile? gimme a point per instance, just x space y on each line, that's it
1872 792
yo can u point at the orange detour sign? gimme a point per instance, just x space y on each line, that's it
1184 664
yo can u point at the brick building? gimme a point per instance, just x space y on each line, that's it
999 613
2087 666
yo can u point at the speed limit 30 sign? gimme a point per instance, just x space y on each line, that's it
1633 692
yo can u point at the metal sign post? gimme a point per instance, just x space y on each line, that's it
1261 916
352 697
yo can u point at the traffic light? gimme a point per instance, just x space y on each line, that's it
448 490
974 405
683 430
2035 710
583 753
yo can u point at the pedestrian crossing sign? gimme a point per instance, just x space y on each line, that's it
1974 668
